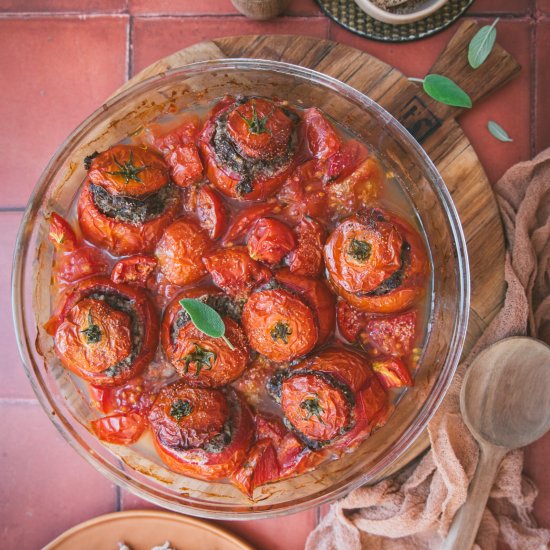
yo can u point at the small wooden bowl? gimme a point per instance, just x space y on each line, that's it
423 10
261 9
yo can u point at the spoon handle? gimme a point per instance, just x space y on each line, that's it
463 531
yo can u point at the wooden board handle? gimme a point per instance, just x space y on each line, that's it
423 116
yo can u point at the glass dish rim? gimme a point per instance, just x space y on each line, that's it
456 340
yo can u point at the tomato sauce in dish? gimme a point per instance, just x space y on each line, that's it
293 232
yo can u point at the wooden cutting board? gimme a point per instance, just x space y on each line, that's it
432 124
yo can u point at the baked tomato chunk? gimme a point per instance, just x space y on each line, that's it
134 270
322 139
392 372
180 252
270 240
179 149
120 429
307 258
73 259
235 272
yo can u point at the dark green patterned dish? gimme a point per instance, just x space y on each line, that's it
348 14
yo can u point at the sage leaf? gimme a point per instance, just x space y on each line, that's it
498 131
482 45
206 319
446 91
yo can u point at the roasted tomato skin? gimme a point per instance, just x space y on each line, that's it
120 429
304 193
129 170
272 142
332 399
73 260
211 212
93 336
343 163
393 334
276 455
207 362
245 219
317 295
219 364
134 270
118 237
351 321
392 372
235 272
359 257
184 417
145 312
61 234
363 186
390 335
270 240
83 261
259 468
259 184
179 149
371 410
279 325
315 406
185 164
363 252
186 131
180 252
199 462
133 396
347 366
307 258
322 139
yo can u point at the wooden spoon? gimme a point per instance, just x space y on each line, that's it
505 402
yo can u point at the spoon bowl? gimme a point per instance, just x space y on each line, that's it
504 398
505 403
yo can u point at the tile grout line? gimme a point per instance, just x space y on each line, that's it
5 209
125 13
61 15
118 499
18 401
130 49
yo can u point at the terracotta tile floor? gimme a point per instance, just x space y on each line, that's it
59 60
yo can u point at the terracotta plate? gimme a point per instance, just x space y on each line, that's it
144 529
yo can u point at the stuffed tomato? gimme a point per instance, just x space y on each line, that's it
106 333
203 433
127 200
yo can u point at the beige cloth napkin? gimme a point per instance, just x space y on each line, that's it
414 509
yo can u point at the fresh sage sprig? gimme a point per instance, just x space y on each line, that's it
482 44
498 131
206 319
444 90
